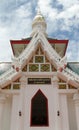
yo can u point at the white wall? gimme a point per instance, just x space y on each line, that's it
7 113
64 104
64 112
71 113
50 93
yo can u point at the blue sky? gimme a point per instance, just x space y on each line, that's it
62 17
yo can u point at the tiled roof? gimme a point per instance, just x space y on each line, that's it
74 66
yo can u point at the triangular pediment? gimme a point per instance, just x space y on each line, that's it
39 39
39 56
39 62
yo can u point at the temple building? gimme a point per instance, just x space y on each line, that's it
39 89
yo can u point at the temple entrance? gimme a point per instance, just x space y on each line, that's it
39 110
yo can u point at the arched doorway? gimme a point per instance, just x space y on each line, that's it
39 110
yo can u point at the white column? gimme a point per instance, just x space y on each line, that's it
76 99
18 107
15 112
2 103
64 112
23 81
57 107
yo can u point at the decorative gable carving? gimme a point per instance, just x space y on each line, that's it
14 85
45 62
64 85
7 87
39 63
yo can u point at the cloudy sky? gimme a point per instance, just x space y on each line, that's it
62 17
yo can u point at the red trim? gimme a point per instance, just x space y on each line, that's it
26 41
12 42
66 48
54 41
19 41
46 109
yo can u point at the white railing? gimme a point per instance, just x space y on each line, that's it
25 54
70 74
67 72
38 36
12 72
51 51
7 75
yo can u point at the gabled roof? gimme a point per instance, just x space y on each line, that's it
19 45
59 45
74 66
22 59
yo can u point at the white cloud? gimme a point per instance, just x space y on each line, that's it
21 24
16 19
69 15
5 48
17 27
23 11
69 54
67 3
73 51
69 12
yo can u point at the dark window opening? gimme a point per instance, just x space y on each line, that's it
39 110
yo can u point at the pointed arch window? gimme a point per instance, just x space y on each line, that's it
39 110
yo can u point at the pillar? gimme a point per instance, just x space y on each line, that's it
57 106
15 112
18 107
23 81
2 103
76 100
64 112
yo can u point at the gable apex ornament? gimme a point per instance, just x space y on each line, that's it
62 64
16 64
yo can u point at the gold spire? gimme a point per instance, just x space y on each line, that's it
39 23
